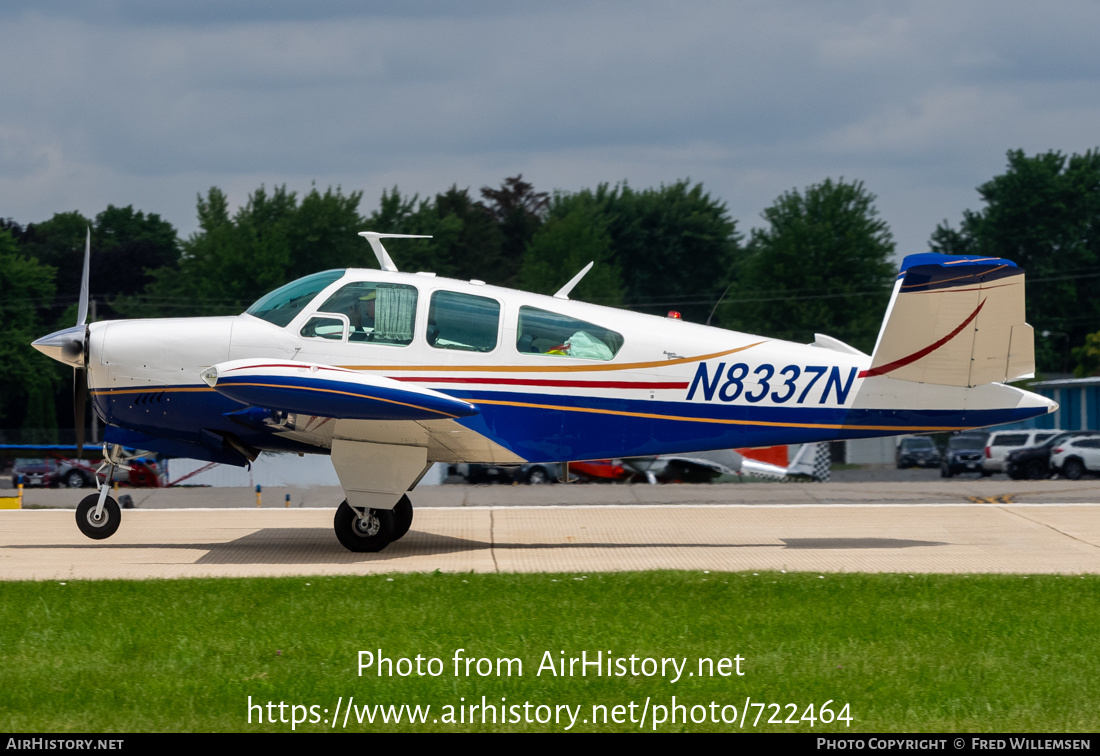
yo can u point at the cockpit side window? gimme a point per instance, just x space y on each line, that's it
380 313
283 305
332 327
463 321
544 332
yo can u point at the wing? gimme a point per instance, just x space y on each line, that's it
697 466
326 391
706 465
383 434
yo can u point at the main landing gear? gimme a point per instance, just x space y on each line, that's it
371 530
98 516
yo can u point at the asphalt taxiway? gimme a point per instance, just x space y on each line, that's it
960 526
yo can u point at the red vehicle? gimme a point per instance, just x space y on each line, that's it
601 471
144 472
35 473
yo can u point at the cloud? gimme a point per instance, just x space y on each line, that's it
151 103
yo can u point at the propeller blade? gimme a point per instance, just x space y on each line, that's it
82 308
80 400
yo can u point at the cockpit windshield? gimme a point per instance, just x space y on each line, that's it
282 305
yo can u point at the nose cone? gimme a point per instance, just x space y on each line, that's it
64 346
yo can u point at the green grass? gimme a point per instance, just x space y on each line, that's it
908 654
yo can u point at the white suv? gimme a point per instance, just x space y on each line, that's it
1002 442
1076 457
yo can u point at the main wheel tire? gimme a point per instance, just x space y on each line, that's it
1036 470
1073 469
105 525
402 518
354 534
75 479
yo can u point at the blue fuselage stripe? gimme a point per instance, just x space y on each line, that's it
554 427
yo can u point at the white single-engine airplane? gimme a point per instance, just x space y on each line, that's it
390 372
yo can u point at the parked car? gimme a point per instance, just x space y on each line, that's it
1033 462
144 472
40 473
75 473
1001 443
603 471
917 451
964 454
1075 457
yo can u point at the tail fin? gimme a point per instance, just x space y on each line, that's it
955 320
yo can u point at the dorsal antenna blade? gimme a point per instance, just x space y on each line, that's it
563 292
375 239
82 307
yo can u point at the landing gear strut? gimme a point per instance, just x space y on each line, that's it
98 516
371 530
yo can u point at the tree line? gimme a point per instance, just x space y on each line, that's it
821 262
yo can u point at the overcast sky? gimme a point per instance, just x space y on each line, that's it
150 103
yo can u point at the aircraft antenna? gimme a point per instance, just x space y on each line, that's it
563 292
375 239
715 308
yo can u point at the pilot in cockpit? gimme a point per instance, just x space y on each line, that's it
362 316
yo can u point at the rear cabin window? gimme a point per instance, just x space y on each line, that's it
464 322
365 311
544 332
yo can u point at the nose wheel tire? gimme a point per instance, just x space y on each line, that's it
363 534
100 527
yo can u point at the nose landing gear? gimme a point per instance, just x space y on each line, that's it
98 516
